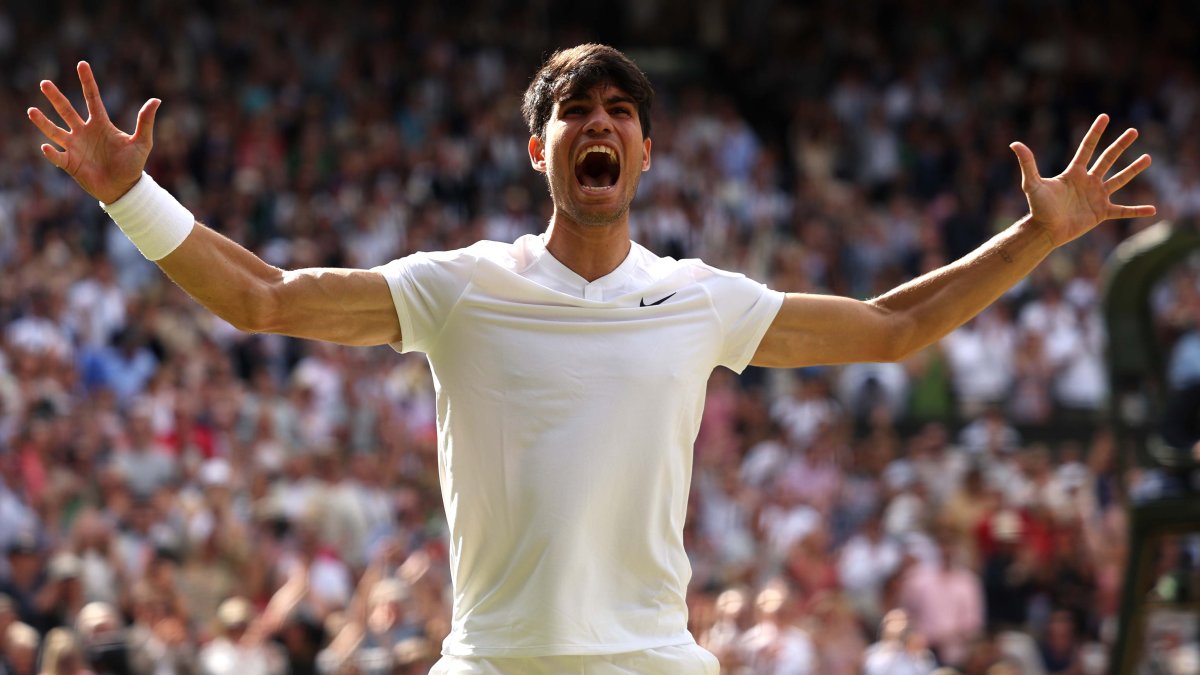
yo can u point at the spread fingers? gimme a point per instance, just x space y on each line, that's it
52 131
61 105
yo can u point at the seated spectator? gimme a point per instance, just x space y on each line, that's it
1060 646
27 583
21 644
899 650
1009 573
102 638
61 654
158 640
124 367
775 645
865 564
724 637
837 635
145 464
945 602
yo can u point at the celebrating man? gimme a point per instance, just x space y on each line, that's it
571 366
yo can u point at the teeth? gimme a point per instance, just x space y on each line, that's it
596 148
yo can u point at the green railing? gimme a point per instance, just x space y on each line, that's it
1137 373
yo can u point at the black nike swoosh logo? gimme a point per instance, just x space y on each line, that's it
642 302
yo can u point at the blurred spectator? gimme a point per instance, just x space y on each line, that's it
775 645
158 638
1060 648
124 366
1009 573
945 601
28 585
237 649
21 642
61 654
145 464
867 561
899 650
102 639
723 638
981 356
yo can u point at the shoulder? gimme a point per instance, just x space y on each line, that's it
660 267
457 262
725 287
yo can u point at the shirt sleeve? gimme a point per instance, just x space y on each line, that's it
745 309
425 287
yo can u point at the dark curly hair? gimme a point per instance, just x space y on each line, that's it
570 72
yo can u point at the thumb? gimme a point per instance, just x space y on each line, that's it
1029 172
143 133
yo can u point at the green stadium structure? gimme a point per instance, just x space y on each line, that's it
1137 361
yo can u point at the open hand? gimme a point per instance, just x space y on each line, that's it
1078 199
104 160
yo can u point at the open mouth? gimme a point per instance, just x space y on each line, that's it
597 168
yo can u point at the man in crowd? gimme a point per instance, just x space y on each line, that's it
571 366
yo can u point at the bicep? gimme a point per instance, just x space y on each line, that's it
813 330
345 306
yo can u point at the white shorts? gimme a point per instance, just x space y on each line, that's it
676 660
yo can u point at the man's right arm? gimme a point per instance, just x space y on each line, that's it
352 307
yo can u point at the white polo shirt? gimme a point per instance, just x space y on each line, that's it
567 411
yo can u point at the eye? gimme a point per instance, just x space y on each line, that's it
572 110
622 112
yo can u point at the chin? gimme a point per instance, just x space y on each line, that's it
598 217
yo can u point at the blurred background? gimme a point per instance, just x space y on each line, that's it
180 497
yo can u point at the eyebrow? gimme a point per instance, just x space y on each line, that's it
611 100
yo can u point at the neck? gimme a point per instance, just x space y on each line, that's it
591 251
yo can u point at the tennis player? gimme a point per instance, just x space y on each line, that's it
571 365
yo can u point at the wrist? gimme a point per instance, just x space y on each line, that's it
152 219
114 195
1039 231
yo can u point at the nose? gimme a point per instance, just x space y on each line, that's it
599 122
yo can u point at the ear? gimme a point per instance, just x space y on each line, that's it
646 155
537 154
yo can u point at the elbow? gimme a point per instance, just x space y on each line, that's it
903 339
902 349
259 310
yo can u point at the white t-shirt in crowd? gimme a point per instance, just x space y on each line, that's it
567 411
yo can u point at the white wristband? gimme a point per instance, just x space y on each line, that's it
152 219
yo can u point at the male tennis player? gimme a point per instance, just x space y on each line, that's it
571 366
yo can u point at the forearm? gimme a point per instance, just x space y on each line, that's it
927 308
224 277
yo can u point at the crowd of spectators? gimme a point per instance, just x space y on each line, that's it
179 497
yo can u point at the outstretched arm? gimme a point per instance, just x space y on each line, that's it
344 306
817 329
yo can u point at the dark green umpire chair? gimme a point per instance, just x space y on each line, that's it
1137 362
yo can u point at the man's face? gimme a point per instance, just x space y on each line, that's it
593 155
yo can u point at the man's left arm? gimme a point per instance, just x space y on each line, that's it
819 329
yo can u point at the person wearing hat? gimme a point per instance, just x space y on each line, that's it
243 645
234 650
63 595
27 583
